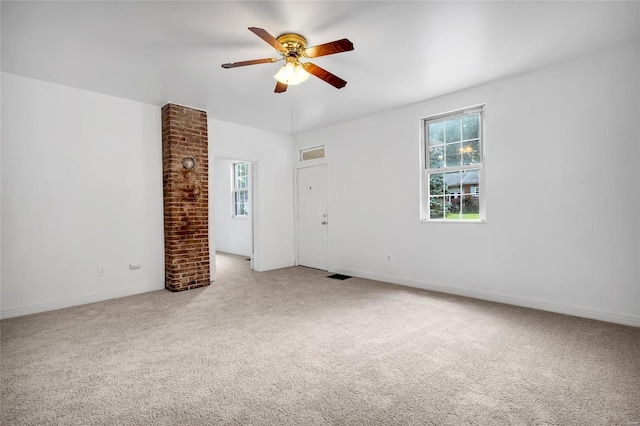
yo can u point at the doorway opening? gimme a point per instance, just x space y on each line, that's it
233 212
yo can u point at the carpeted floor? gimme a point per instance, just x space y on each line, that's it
292 347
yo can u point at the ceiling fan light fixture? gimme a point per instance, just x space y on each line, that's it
292 73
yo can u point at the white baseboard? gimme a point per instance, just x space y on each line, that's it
59 304
495 297
236 253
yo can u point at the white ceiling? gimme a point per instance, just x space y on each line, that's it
405 52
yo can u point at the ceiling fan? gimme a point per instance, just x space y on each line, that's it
292 47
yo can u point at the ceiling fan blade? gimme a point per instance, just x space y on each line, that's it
280 87
337 46
253 62
325 75
263 34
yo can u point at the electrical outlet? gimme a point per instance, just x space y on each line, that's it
102 271
389 258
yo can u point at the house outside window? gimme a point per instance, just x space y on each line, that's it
240 197
452 167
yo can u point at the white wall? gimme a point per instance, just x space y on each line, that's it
563 203
232 234
272 158
81 188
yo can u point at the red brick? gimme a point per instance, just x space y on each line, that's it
186 205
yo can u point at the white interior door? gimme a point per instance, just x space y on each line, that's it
312 217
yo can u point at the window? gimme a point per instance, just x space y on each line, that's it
240 197
312 153
452 162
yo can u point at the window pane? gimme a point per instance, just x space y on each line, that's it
470 207
241 203
453 209
469 180
436 157
453 155
452 179
312 154
241 175
471 152
454 216
436 133
471 126
436 184
452 130
436 208
242 182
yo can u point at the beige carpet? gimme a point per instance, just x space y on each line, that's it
292 347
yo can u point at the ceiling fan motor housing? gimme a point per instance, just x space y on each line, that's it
294 43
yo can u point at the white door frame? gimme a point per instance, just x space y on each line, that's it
304 165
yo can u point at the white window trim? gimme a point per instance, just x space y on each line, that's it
424 171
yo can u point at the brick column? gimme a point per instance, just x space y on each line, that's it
186 197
